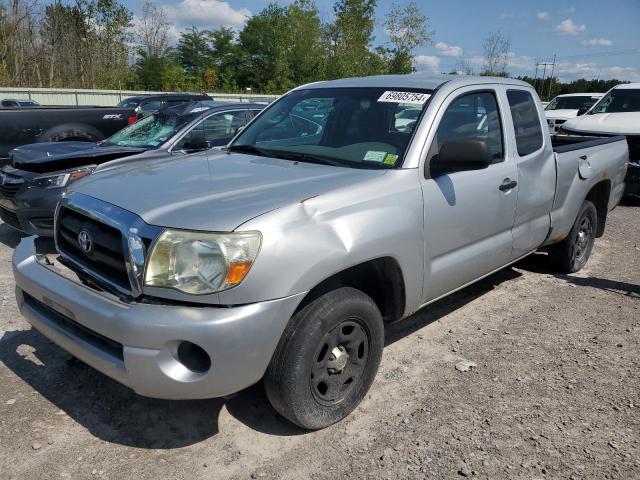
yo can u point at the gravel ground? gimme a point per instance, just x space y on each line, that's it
555 393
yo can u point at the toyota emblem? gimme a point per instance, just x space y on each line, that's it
85 241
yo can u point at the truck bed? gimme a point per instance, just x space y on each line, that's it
583 163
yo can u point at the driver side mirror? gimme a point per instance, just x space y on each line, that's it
461 155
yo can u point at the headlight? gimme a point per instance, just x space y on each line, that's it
61 179
199 263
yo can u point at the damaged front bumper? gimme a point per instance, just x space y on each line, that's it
139 344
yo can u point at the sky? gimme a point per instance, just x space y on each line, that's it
590 38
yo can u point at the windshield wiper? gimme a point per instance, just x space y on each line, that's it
249 149
307 157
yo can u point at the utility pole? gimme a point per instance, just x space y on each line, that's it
553 66
544 66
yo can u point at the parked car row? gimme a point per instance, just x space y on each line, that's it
39 174
185 272
616 113
22 123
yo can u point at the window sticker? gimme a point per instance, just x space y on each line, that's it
390 159
373 156
408 98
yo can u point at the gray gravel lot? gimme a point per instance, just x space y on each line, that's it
555 393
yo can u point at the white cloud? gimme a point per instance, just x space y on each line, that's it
572 71
568 27
427 63
521 62
448 50
208 14
542 15
604 42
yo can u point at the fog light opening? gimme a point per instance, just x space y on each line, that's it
194 357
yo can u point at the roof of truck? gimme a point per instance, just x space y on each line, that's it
583 94
413 80
628 85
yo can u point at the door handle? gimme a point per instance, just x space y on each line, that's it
583 157
508 186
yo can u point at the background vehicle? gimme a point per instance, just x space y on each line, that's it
286 257
24 125
145 104
20 126
564 107
617 113
13 103
37 179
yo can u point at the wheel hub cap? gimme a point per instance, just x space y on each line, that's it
337 360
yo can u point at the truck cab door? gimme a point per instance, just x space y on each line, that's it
534 158
468 213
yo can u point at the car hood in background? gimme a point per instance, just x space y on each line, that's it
214 192
626 123
55 156
561 114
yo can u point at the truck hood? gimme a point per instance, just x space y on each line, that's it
214 192
55 156
626 123
561 114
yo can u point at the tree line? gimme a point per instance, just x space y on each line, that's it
99 44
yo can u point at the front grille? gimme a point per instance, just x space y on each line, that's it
10 218
10 185
107 258
106 345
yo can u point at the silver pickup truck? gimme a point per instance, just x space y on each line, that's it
343 206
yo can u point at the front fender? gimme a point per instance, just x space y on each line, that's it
306 242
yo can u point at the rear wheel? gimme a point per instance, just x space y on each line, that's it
326 359
572 253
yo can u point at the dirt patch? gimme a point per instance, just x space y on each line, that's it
553 393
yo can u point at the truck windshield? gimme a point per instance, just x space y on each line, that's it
150 132
571 103
619 100
350 127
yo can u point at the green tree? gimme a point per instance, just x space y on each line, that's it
349 40
407 29
265 41
307 51
194 52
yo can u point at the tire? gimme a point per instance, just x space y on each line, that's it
326 359
570 255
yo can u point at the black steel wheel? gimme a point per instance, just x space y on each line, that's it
572 254
326 359
340 361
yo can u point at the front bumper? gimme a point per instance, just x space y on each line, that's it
31 210
136 343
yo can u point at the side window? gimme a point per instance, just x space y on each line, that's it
526 121
220 128
474 116
151 106
193 140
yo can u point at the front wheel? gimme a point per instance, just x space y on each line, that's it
326 359
572 253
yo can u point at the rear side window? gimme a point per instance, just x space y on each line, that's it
526 121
